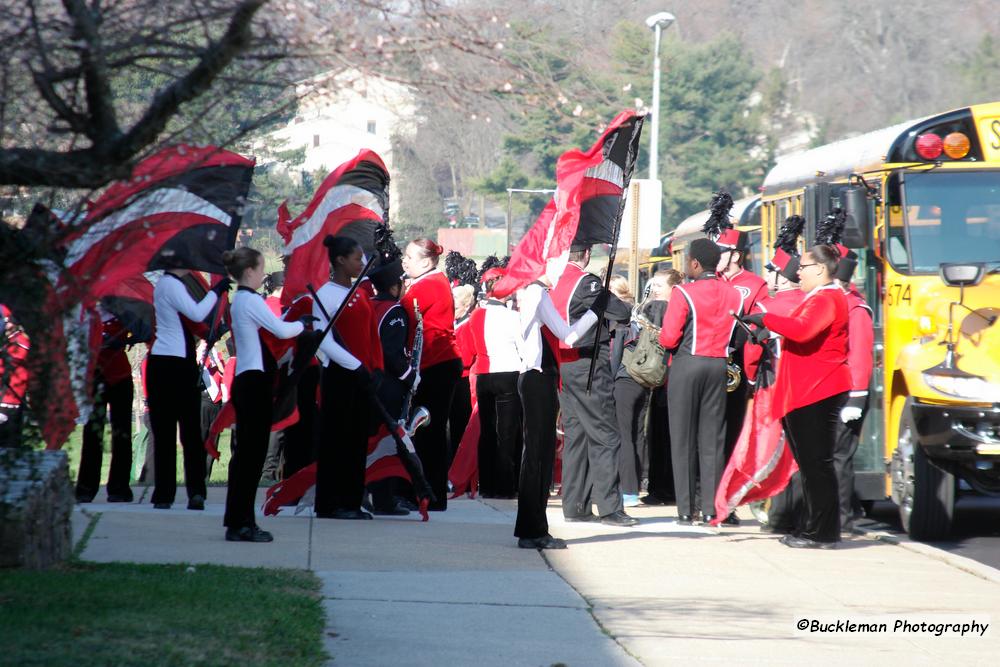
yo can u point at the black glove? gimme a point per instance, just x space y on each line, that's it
363 378
222 286
761 335
307 321
753 318
310 339
600 304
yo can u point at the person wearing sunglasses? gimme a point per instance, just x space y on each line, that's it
811 387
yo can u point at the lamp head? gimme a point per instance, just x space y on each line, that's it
661 20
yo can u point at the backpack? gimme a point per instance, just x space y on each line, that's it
646 360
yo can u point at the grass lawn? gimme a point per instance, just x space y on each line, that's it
129 614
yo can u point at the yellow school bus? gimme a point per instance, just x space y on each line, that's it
923 204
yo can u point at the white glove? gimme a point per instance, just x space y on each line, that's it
849 414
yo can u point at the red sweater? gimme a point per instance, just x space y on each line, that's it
782 303
751 286
698 320
814 358
466 345
432 293
860 342
358 327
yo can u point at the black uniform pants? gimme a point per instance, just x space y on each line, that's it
301 439
540 403
786 513
811 431
697 405
175 398
591 445
659 458
340 467
252 399
630 405
458 417
437 387
499 434
118 397
845 446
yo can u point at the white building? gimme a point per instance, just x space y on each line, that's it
341 114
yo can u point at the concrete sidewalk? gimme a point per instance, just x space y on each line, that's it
456 590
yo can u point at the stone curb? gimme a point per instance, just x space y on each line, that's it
962 563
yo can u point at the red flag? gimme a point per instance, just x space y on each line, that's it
761 464
585 207
351 202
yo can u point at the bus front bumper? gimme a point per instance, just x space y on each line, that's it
958 433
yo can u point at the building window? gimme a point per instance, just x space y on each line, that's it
371 127
315 140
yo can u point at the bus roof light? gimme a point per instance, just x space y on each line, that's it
956 145
929 146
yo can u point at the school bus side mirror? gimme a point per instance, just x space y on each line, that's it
856 228
962 275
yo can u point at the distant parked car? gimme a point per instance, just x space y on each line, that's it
471 220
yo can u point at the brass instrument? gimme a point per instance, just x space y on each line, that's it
733 376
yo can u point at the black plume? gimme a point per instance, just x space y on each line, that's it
490 262
385 245
718 219
505 261
459 268
788 235
830 229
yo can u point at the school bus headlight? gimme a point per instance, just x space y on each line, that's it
956 145
969 388
926 325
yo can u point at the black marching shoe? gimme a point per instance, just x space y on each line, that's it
582 518
731 520
196 502
162 506
349 515
707 521
543 542
84 498
805 543
120 497
652 499
394 509
619 519
685 520
248 534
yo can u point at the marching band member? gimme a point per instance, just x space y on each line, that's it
784 515
441 365
174 394
112 388
253 391
630 400
860 343
14 373
393 330
496 353
590 453
810 389
734 246
541 328
461 403
347 390
698 331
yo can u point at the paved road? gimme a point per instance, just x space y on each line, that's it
976 532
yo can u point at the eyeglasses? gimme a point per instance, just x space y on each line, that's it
803 266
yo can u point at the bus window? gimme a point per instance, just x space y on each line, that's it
951 217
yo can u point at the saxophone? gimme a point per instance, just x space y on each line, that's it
421 415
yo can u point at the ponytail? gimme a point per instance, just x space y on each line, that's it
239 260
428 249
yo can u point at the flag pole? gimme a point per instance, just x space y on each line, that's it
633 149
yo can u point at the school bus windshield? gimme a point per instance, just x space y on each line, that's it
949 217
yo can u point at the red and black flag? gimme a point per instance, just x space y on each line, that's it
587 206
351 201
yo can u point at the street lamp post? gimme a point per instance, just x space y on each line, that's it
658 23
